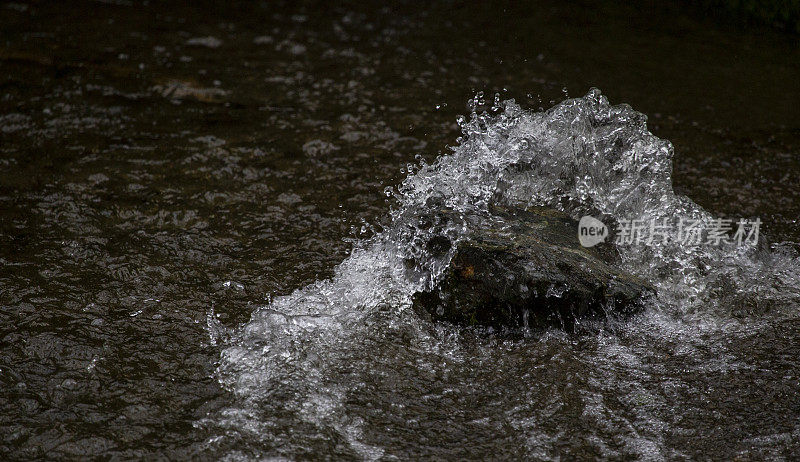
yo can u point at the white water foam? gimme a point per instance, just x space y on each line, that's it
287 367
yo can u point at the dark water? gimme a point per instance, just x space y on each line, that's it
160 162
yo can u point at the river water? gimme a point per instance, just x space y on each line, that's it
205 213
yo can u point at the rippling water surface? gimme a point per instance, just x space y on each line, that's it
204 214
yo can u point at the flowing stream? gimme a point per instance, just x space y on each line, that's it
213 220
340 359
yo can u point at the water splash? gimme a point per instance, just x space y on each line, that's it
288 365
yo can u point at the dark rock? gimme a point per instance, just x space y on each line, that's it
526 268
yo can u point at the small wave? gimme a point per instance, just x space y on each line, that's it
289 364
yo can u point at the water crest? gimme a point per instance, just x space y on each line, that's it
296 365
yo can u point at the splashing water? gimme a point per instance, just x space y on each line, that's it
298 367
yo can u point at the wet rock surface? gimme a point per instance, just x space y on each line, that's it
526 268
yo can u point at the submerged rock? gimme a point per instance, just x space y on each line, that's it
526 268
